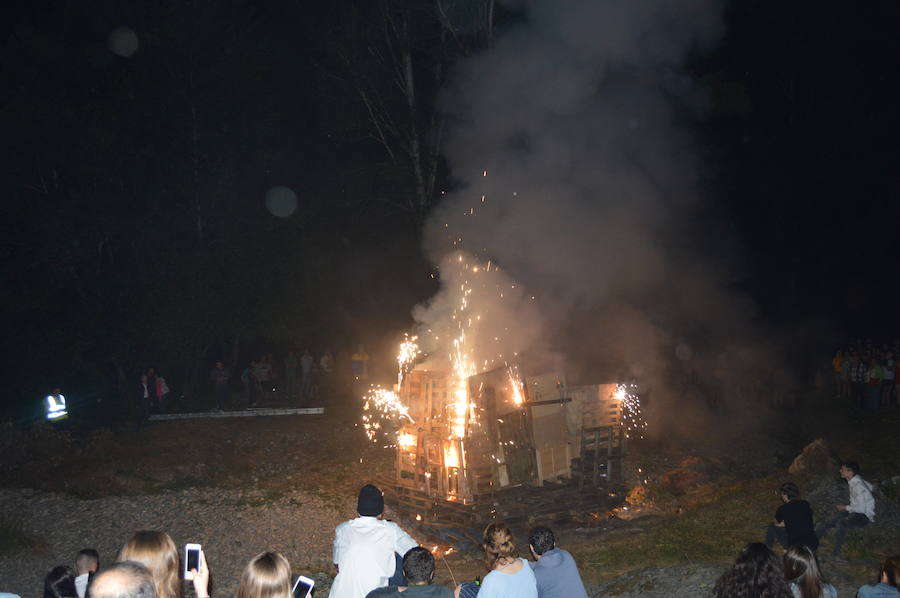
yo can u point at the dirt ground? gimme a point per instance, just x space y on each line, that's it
242 485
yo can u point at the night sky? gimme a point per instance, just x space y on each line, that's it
134 228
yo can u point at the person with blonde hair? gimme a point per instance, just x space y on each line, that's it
801 571
267 575
508 575
156 551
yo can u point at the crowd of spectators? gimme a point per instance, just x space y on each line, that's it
759 573
296 377
866 374
376 558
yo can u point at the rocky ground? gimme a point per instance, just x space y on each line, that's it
241 486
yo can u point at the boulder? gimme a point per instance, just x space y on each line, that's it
816 459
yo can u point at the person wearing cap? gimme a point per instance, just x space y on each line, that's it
366 548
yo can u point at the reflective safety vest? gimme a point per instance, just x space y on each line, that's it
56 407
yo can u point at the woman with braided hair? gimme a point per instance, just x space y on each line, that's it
509 576
756 573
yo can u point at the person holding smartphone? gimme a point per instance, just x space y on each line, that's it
158 553
195 570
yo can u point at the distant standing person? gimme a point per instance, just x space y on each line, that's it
887 377
219 377
326 366
836 367
143 399
290 375
161 390
793 524
859 513
554 568
858 380
306 373
247 378
359 363
875 373
327 363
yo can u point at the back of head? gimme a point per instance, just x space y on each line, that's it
418 565
370 502
498 543
124 579
541 539
87 560
790 490
755 574
60 583
157 552
802 568
891 571
267 575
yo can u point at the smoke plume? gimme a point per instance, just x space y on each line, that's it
577 176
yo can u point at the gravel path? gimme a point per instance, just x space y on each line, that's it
232 526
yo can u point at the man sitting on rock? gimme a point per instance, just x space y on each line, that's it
859 513
554 568
365 548
418 567
793 525
125 579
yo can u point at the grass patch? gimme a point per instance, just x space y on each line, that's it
708 532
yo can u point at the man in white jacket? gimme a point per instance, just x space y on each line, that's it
366 548
859 513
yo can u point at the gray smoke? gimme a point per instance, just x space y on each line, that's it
591 186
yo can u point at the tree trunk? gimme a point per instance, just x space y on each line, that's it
415 145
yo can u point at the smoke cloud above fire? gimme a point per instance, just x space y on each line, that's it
577 175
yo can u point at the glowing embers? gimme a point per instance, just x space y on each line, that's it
632 418
406 358
516 386
382 414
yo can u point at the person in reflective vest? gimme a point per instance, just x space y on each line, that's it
55 404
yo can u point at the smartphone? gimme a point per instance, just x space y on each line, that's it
191 559
303 587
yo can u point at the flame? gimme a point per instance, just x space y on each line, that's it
406 440
515 385
451 456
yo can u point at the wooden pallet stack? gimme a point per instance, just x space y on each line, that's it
517 435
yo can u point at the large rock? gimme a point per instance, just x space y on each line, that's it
815 459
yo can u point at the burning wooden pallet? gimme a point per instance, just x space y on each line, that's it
511 436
